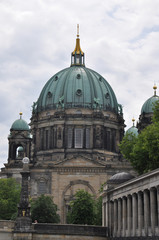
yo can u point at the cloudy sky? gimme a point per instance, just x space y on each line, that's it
120 39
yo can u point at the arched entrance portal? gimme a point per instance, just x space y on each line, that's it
69 192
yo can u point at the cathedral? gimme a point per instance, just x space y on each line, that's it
73 136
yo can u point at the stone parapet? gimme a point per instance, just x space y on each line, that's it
70 229
133 238
6 225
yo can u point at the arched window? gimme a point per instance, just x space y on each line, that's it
20 152
78 138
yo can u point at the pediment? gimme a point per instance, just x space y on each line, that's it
80 161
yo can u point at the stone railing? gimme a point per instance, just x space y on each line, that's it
70 229
6 225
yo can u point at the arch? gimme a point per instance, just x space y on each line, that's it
13 150
79 181
69 198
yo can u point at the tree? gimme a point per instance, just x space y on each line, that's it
44 210
143 151
127 144
9 198
98 212
82 209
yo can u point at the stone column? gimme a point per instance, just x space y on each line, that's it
119 216
134 208
153 210
23 222
158 204
146 211
124 216
115 217
129 217
104 213
140 213
107 213
111 220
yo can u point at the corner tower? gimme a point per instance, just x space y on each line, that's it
19 141
145 117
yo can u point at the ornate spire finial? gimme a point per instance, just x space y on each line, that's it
154 88
78 30
20 115
133 120
77 55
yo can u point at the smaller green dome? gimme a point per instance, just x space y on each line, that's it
20 149
20 125
132 130
149 104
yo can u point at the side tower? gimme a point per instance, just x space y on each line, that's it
145 117
19 147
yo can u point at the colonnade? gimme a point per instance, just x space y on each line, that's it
134 214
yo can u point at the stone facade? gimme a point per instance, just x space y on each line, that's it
76 126
132 208
70 150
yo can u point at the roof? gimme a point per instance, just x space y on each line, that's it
149 104
132 130
77 87
20 125
120 178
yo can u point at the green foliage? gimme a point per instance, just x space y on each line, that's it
9 198
84 209
145 154
44 210
127 144
143 151
98 212
155 118
101 187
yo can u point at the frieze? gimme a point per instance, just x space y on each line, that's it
82 169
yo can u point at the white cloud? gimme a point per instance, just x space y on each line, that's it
119 37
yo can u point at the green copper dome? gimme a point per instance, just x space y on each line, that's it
77 87
149 104
132 130
20 125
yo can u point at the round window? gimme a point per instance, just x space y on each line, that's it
107 95
79 92
78 76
